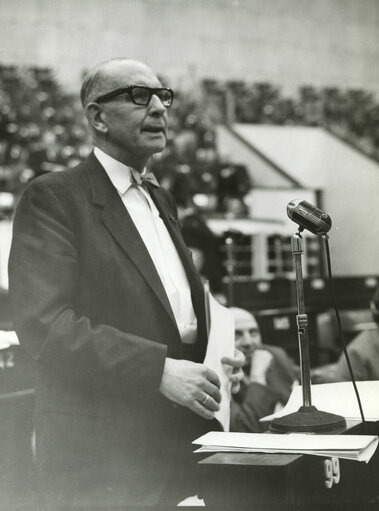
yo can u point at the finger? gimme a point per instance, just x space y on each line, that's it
238 361
237 376
236 387
208 402
212 390
212 377
233 362
200 410
239 355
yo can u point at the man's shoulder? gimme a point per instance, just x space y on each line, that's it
274 350
281 357
365 340
70 185
62 177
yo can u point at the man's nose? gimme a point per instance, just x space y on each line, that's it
247 339
156 105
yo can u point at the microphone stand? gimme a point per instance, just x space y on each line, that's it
307 418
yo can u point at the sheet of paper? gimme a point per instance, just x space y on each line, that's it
355 447
221 344
338 398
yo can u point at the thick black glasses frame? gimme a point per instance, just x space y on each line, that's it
129 90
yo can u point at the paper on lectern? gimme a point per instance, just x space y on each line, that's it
352 447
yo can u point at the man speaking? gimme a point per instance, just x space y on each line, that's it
109 304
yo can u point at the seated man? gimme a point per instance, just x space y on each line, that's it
363 353
269 376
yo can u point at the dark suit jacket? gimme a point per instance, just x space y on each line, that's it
91 309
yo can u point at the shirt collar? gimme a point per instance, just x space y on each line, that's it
118 172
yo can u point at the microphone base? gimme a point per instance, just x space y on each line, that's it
308 419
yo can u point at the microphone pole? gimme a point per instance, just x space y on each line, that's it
302 319
230 264
307 418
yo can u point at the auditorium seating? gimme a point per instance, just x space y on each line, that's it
42 127
351 114
279 328
355 292
317 293
274 303
352 292
260 294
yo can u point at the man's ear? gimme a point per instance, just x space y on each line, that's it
96 117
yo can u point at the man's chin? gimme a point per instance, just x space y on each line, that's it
155 145
247 353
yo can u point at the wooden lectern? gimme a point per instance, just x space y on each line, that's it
290 481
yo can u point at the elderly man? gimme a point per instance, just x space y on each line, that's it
108 302
269 376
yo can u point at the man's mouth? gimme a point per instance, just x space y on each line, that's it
154 129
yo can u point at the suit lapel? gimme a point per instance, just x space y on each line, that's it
119 223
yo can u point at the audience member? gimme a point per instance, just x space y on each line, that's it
363 353
269 375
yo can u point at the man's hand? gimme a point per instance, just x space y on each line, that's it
260 364
191 385
236 373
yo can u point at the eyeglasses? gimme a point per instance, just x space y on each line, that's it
140 95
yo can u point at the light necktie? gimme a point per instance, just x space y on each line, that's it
144 177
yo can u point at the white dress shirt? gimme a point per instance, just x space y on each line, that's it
158 242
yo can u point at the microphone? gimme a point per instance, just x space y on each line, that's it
309 217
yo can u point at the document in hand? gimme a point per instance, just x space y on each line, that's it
220 344
338 398
351 447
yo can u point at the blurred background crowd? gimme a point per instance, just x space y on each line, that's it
42 129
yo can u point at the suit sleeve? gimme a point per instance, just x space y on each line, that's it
246 410
282 373
43 280
358 361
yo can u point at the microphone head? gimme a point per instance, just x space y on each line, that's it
309 217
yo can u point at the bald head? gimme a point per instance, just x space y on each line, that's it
247 333
243 318
109 75
127 131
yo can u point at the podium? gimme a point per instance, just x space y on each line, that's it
290 481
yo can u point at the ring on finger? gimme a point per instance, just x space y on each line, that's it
205 400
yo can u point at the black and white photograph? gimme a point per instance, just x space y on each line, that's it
189 268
